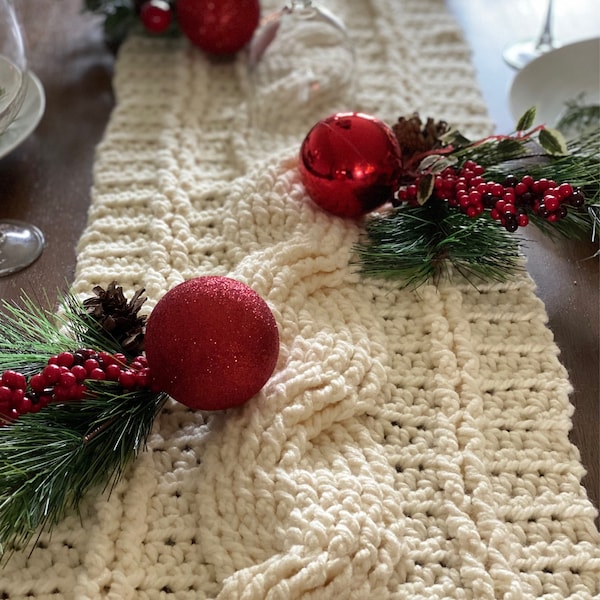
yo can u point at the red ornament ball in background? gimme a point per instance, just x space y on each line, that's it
218 26
156 16
350 164
211 343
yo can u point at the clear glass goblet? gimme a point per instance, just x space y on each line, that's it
519 54
302 59
20 243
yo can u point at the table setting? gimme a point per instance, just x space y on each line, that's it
299 325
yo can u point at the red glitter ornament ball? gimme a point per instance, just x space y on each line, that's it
350 164
218 26
211 343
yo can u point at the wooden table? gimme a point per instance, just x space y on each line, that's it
47 179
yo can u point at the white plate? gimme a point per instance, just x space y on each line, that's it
553 79
29 116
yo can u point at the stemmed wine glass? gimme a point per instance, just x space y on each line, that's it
517 55
300 57
20 243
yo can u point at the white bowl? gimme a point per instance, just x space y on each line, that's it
553 79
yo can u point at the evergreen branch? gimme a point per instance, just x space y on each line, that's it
51 459
418 244
31 334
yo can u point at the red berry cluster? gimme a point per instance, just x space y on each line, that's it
63 380
509 202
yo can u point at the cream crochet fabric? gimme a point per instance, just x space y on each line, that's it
408 446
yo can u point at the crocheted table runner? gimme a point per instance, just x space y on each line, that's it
409 444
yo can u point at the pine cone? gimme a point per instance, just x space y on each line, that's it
116 316
415 139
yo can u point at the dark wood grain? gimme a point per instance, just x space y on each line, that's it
47 179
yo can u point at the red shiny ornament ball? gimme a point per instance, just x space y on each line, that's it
211 343
350 164
218 26
156 16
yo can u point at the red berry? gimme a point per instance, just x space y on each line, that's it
564 190
97 374
527 180
523 220
497 189
520 188
474 196
24 405
16 397
53 360
552 202
509 195
61 394
51 373
90 364
13 379
541 185
120 358
79 372
552 217
5 394
67 379
495 214
142 360
472 211
10 415
37 382
65 359
156 16
106 359
143 378
112 372
509 209
128 379
463 201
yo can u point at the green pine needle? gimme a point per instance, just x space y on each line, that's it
420 244
49 460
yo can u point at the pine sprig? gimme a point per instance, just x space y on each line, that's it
30 334
50 459
424 243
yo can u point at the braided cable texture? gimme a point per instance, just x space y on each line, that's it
409 445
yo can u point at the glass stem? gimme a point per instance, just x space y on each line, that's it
545 40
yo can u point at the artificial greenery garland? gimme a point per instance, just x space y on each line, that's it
427 238
54 454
